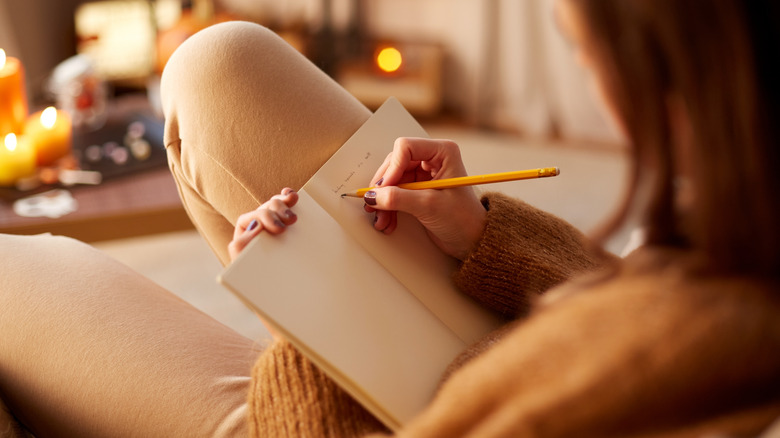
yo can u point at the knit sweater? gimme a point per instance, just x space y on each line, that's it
645 348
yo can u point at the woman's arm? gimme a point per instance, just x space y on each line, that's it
522 253
290 396
511 251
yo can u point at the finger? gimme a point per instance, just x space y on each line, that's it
409 150
242 223
287 191
283 212
393 223
378 177
240 241
383 219
288 196
271 221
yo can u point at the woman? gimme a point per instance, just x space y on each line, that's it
682 338
679 339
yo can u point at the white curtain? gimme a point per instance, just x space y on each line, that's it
507 65
531 82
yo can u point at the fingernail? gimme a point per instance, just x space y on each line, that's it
289 214
252 225
279 223
381 180
370 197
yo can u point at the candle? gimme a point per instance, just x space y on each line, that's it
49 132
17 160
13 98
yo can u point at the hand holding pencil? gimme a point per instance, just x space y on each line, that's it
454 218
462 181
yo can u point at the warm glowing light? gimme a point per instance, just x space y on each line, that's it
389 59
2 59
10 142
49 117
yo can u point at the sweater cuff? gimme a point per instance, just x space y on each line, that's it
289 396
522 253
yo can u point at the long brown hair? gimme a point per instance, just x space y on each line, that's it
716 57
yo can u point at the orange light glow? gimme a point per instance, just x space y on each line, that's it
2 59
10 142
49 117
389 59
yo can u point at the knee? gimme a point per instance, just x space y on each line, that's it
209 48
33 263
23 255
215 57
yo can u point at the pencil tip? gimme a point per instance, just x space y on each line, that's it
343 195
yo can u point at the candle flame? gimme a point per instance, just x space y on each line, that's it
49 117
10 142
2 59
389 59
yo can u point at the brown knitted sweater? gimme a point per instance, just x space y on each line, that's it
648 350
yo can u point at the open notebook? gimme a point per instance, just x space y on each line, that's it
379 314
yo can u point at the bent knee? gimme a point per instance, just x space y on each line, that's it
214 56
32 264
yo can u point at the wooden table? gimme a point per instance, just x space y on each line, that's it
142 202
139 204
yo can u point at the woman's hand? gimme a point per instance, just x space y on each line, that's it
273 216
454 218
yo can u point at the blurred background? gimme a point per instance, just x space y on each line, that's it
493 75
496 64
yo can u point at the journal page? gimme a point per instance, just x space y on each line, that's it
408 253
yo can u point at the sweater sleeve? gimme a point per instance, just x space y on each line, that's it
290 396
522 253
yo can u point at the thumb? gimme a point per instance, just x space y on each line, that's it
241 241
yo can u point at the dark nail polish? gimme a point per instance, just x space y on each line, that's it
252 225
370 197
289 214
279 224
381 180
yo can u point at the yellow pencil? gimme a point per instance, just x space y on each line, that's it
449 183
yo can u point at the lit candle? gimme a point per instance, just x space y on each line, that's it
17 160
49 132
13 98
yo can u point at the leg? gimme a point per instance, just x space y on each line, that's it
9 427
247 115
91 348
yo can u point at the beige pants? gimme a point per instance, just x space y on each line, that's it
89 347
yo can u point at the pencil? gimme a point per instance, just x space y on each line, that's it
449 183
